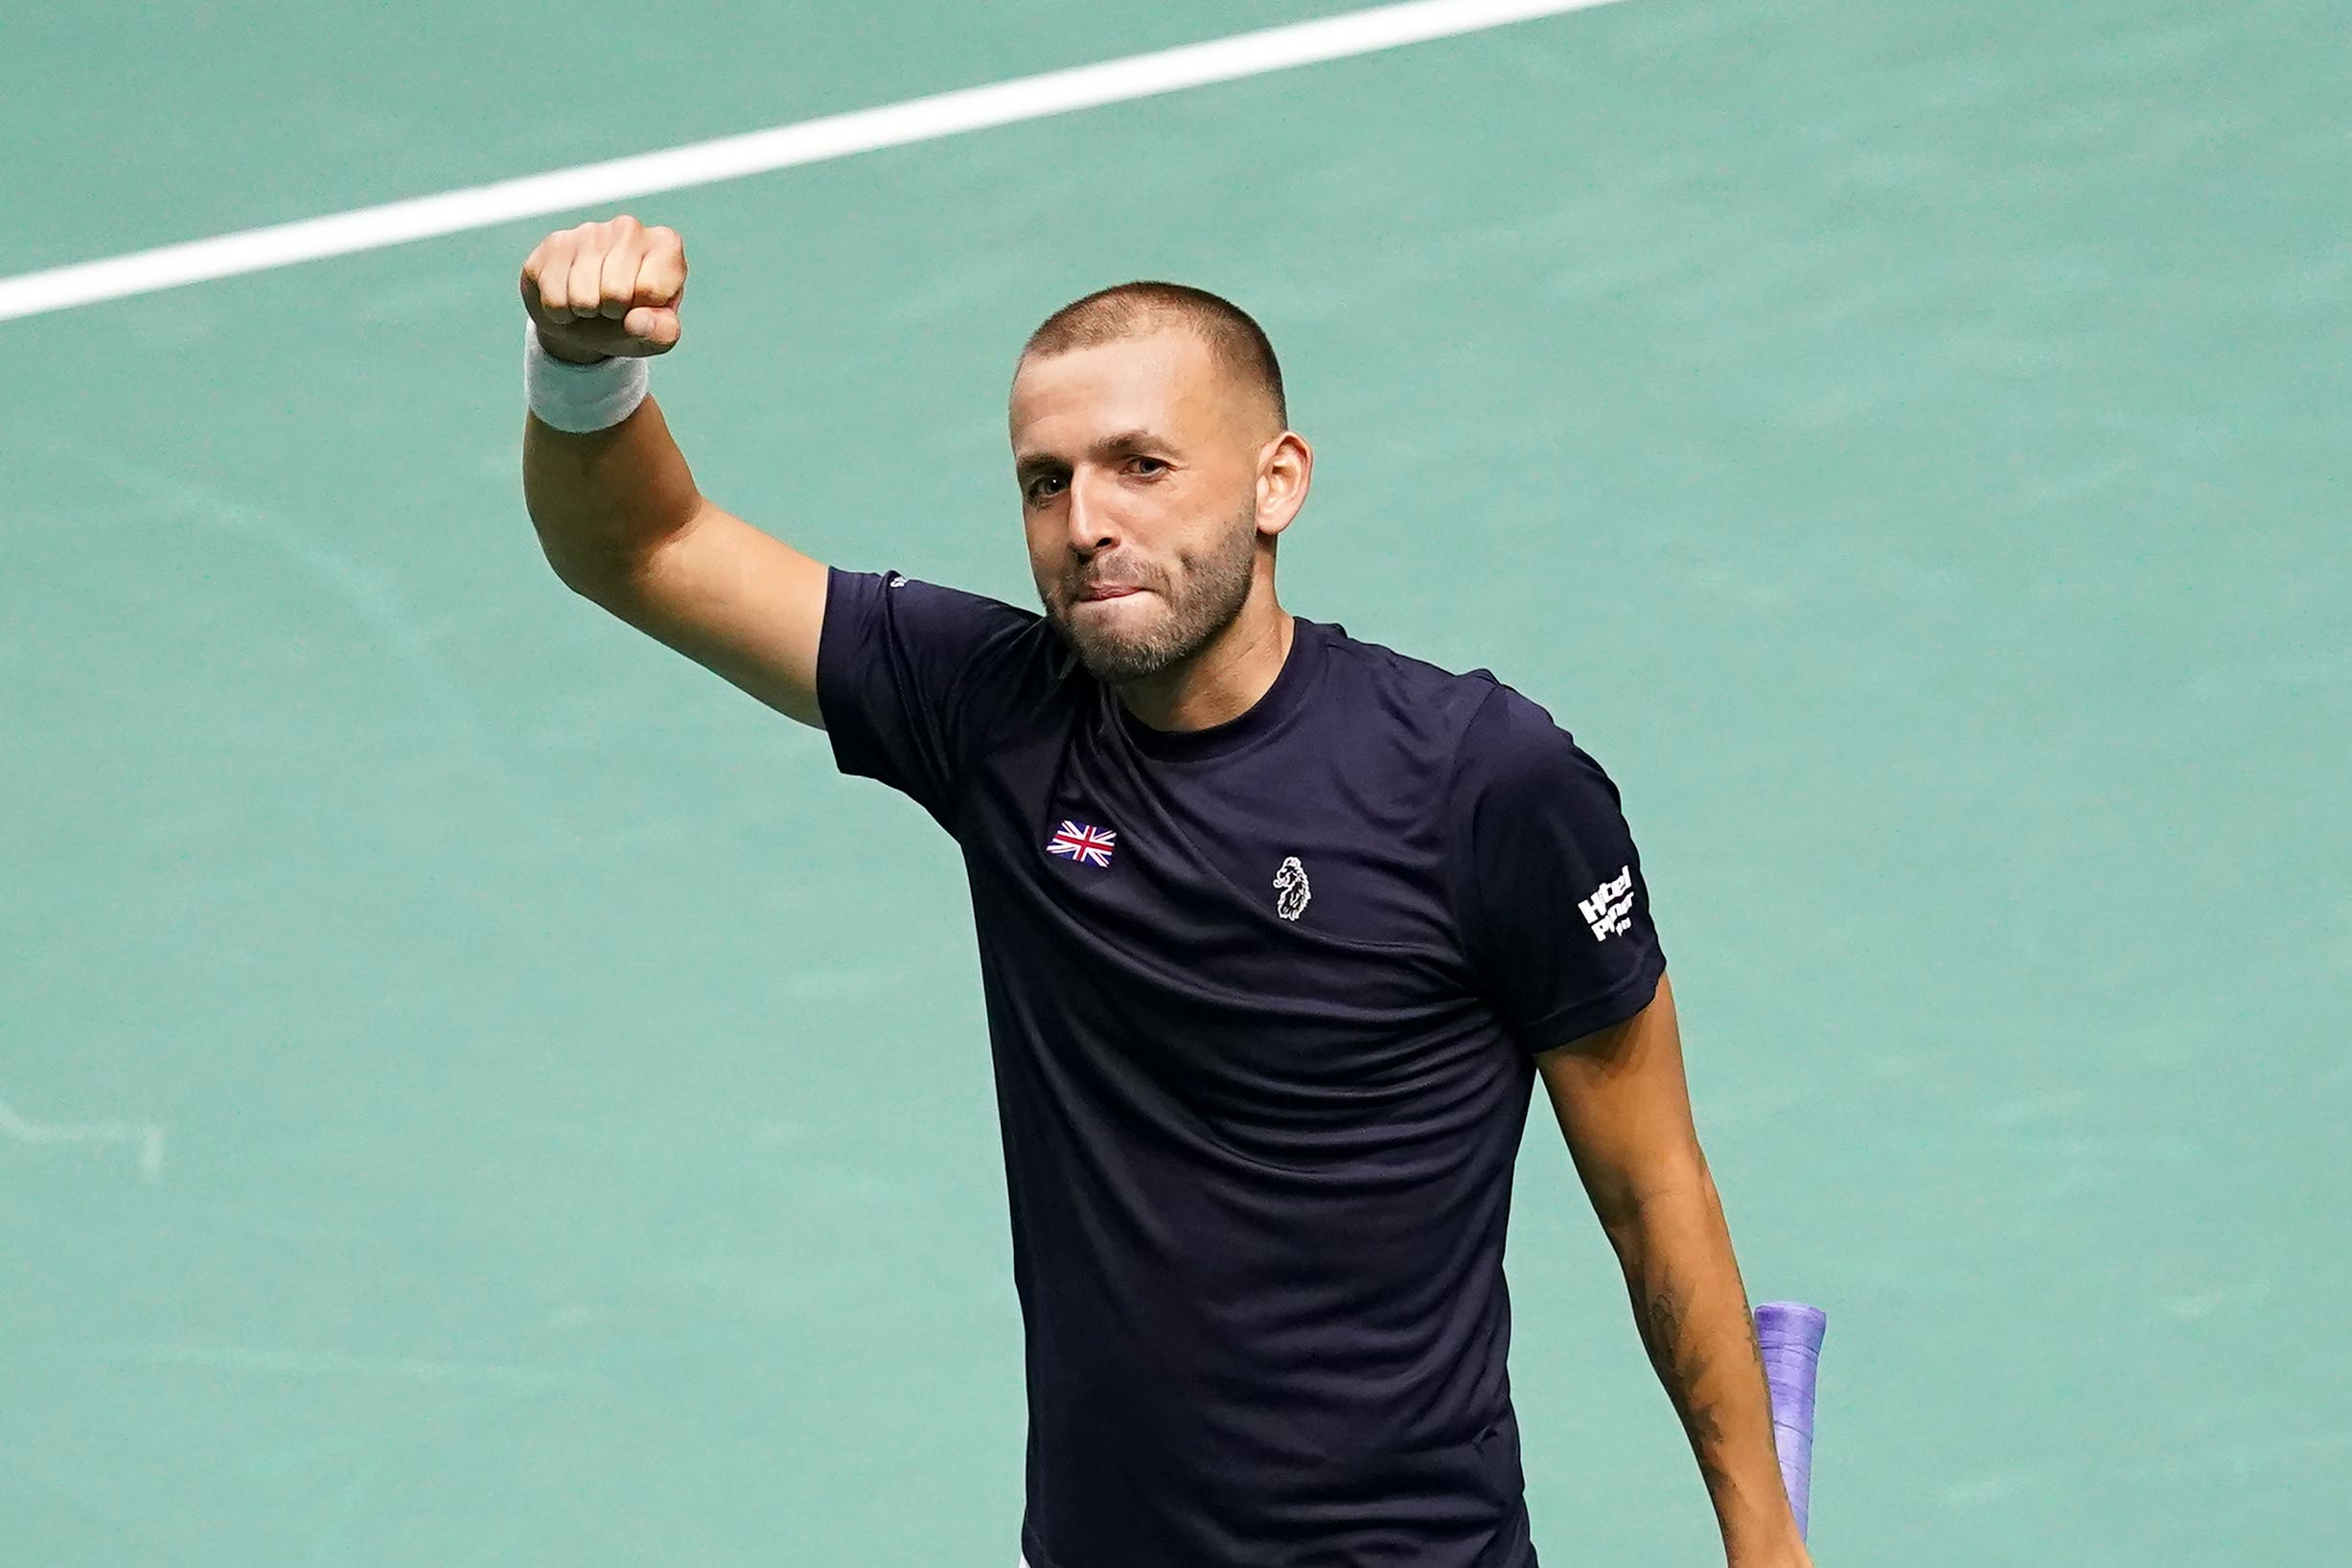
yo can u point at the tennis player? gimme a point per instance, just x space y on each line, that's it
1278 929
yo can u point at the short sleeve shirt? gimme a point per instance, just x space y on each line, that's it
1264 1003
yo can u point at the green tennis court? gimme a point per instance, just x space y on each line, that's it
474 1090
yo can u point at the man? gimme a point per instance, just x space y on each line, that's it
1277 930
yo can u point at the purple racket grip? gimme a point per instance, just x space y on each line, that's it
1789 1334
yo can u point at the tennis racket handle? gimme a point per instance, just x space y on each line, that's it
1790 1335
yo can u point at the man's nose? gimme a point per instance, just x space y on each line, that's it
1092 525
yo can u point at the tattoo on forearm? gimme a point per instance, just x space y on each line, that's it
1755 1355
1681 1366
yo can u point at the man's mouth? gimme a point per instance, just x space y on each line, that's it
1095 592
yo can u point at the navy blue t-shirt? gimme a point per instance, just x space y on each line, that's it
1263 1001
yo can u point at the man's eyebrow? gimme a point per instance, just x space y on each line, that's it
1126 444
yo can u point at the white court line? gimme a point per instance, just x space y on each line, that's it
337 1364
146 1135
760 151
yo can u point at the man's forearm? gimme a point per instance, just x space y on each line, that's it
1693 1312
604 502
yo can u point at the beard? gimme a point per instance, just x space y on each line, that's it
1215 586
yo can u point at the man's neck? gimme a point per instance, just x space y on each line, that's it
1223 681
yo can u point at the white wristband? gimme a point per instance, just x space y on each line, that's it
580 399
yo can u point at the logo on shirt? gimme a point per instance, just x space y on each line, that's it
1290 890
1083 843
1609 911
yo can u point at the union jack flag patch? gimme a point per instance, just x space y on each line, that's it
1083 843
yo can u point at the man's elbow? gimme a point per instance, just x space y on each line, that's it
615 568
607 578
1665 1180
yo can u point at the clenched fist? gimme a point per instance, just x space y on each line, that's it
607 290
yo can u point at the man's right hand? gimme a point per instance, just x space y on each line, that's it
607 290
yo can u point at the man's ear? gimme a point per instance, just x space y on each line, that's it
1285 471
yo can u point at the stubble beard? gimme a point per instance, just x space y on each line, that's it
1215 587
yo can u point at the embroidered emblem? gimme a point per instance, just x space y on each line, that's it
1290 890
1083 843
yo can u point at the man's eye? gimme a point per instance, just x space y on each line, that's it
1045 487
1146 466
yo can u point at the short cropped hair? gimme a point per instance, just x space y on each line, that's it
1130 309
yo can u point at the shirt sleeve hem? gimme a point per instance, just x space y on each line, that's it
1564 1026
853 755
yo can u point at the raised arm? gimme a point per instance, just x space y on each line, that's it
617 510
1624 1108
